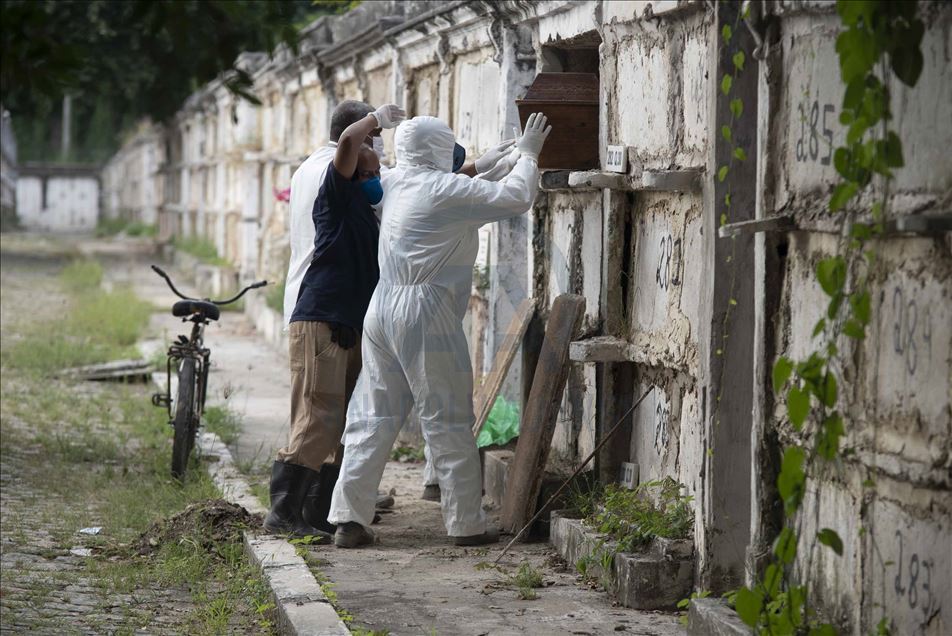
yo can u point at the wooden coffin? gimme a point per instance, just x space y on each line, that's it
570 101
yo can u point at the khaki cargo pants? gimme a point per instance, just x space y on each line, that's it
322 379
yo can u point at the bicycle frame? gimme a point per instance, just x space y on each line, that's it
192 348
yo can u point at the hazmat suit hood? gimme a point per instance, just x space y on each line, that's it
425 142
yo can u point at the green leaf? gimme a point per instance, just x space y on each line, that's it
737 107
773 576
722 173
798 406
727 199
740 154
726 132
831 274
831 430
854 329
829 538
853 95
748 605
732 302
785 546
842 161
861 231
906 59
842 194
860 304
727 32
819 327
726 83
791 479
823 630
812 368
893 151
857 53
829 390
782 369
834 307
739 59
723 220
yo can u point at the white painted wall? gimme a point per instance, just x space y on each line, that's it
71 203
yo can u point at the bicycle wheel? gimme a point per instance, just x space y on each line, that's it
185 419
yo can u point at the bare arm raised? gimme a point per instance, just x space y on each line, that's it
348 146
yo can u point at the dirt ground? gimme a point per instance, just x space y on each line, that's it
415 581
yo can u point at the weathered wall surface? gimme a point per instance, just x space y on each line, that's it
8 165
642 248
57 198
890 499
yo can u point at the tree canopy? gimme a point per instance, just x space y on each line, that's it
124 60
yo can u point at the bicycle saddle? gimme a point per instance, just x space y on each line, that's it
207 310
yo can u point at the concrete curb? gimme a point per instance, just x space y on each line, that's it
303 609
652 580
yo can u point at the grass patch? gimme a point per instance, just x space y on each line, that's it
223 422
112 227
95 326
201 248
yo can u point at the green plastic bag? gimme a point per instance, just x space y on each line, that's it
502 424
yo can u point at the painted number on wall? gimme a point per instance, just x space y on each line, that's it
815 142
908 328
666 275
913 582
662 415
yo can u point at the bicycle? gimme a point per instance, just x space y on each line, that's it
191 357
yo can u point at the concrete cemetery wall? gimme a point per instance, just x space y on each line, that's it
58 198
641 247
890 500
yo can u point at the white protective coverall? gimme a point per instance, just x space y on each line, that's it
414 349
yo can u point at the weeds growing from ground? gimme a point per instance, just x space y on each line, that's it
223 422
634 517
407 454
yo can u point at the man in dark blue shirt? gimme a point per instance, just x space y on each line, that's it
325 327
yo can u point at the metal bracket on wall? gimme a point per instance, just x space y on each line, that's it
920 224
783 223
927 224
686 180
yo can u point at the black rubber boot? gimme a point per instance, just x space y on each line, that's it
317 502
289 484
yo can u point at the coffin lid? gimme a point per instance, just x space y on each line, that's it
562 88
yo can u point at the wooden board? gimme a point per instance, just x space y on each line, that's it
542 407
486 395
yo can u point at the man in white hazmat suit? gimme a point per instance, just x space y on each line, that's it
414 350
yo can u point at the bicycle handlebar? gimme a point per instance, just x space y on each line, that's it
158 270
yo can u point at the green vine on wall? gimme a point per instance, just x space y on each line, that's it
737 153
877 37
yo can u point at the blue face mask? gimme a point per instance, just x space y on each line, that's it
459 157
372 190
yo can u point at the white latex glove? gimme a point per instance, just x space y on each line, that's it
389 115
530 144
503 167
492 156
